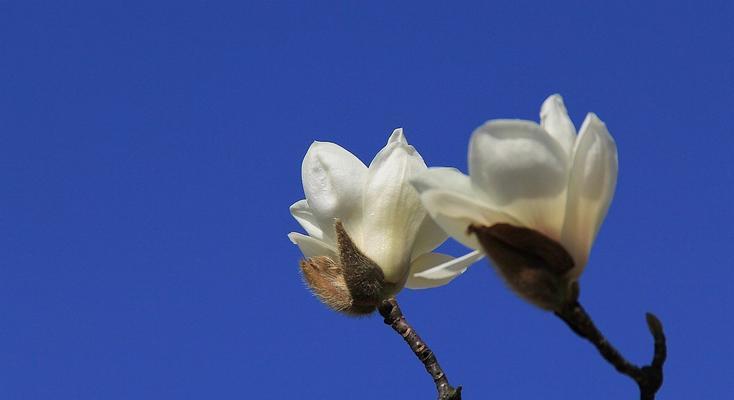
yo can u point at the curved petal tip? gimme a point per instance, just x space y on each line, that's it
436 269
397 136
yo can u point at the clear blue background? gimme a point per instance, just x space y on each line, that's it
149 152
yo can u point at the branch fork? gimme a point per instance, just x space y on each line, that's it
649 378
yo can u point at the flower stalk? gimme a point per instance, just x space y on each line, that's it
390 310
649 378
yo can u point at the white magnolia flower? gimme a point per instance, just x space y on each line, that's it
545 189
368 221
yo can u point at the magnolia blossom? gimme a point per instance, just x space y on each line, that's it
368 234
534 199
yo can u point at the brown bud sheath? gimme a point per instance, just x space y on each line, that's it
325 278
364 278
353 285
532 264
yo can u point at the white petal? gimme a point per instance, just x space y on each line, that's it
397 136
303 214
392 210
436 269
455 212
311 247
443 178
522 170
437 178
591 188
429 236
333 180
554 119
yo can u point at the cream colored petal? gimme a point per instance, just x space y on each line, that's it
455 212
443 178
522 170
303 214
436 269
591 188
311 247
333 180
397 136
392 210
554 119
428 237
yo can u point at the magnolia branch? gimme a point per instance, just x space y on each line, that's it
649 378
394 317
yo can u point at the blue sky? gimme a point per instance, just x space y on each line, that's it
149 152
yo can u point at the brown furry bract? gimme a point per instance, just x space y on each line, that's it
353 284
532 264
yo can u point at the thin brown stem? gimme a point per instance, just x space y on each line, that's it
394 317
649 378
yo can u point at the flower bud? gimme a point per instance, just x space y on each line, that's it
534 200
368 234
